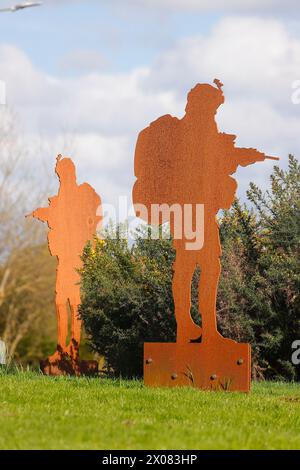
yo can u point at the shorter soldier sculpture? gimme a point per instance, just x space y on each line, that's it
181 162
72 221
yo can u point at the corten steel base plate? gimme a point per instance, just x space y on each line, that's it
68 367
226 366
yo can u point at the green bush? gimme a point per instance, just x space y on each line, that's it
127 299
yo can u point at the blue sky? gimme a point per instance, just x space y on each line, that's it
84 77
125 35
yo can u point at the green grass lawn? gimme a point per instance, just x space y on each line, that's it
38 412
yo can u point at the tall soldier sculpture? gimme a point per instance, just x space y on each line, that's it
72 220
188 163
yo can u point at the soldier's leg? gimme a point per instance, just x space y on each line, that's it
62 313
208 287
75 331
74 300
209 260
184 267
62 329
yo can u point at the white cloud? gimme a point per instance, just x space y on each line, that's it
249 54
110 104
257 60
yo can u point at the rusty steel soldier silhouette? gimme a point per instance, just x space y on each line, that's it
72 220
188 161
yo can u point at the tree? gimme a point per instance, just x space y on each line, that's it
259 291
27 305
26 269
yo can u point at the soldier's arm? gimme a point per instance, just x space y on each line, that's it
247 156
42 213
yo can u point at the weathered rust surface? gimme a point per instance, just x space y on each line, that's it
72 220
226 367
188 161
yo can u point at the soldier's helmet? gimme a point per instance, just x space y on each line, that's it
65 168
205 98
